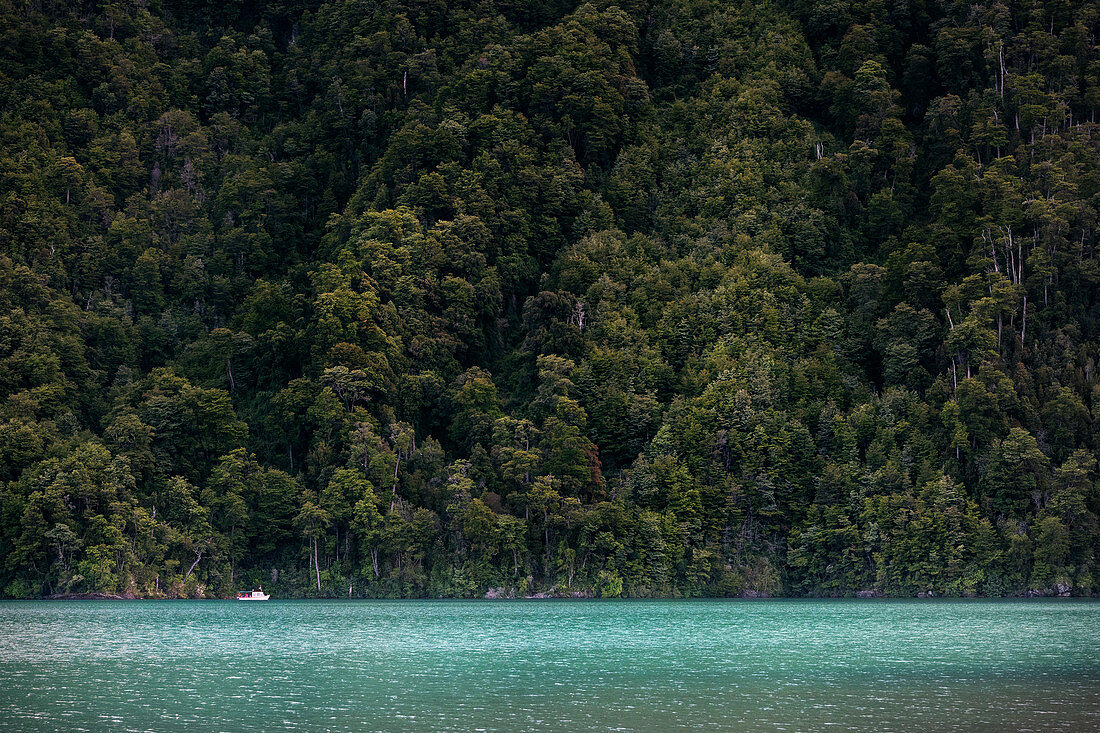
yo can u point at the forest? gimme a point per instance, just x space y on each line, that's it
632 298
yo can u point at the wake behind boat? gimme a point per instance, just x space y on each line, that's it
254 595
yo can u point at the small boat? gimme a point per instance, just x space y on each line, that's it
254 595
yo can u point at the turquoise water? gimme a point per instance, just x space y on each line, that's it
549 665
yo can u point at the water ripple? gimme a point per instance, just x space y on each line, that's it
502 666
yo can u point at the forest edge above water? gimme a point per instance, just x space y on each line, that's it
619 299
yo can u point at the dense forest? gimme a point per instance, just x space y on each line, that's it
640 298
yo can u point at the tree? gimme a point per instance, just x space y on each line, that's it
312 521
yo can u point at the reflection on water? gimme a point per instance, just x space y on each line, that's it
641 665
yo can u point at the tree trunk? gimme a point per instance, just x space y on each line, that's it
193 567
393 491
1023 325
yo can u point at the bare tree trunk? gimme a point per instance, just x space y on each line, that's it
193 567
1001 59
1020 261
393 491
1023 325
316 566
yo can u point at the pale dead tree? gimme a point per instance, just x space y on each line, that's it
578 317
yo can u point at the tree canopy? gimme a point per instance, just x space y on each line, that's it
636 298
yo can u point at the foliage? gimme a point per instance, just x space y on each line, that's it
619 299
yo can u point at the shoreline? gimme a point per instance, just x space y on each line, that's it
547 597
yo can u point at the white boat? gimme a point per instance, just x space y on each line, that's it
255 595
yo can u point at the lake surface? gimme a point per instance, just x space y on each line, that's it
550 665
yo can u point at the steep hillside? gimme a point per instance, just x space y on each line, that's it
351 297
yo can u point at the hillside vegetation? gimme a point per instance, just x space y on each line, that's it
425 298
